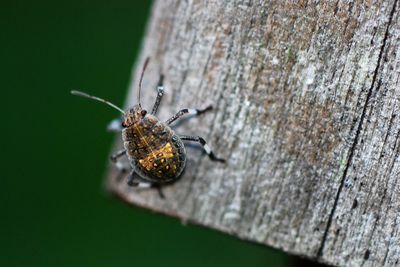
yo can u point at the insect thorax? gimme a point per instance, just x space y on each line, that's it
154 151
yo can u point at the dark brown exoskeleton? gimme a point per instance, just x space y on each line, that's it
157 155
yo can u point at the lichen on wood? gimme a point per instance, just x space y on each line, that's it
306 97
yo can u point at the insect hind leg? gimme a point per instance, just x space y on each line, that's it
203 143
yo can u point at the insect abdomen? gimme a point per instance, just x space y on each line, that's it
164 164
154 151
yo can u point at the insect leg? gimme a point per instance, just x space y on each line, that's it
114 159
133 179
184 111
117 155
159 190
160 93
203 143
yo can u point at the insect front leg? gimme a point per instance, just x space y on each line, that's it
203 143
185 111
160 93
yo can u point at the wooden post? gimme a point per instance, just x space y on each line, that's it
307 112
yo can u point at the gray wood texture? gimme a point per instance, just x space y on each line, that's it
307 101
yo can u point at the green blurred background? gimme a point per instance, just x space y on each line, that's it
55 147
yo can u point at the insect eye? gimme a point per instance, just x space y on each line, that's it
143 112
123 124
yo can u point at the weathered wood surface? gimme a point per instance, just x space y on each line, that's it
306 96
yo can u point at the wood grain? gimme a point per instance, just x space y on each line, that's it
306 97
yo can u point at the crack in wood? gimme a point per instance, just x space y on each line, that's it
356 138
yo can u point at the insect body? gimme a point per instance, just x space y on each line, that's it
157 155
154 150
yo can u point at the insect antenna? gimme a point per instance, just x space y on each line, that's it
141 78
79 93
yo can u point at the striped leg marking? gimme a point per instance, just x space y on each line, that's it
160 93
192 111
203 144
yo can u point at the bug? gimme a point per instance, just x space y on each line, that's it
156 153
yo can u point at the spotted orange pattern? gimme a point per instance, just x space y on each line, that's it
159 155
